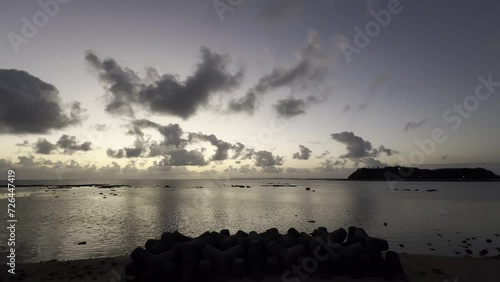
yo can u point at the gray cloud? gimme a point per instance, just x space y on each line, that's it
355 108
70 144
324 154
329 165
118 154
304 76
42 146
303 154
247 103
183 157
33 106
165 94
272 169
369 162
25 143
387 151
100 127
266 159
414 125
276 10
222 147
357 147
379 81
290 107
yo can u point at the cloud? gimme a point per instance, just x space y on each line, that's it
70 144
356 108
31 105
276 10
325 153
175 138
357 147
222 147
369 162
118 154
347 108
297 170
165 94
266 159
303 154
247 103
42 146
329 165
183 157
379 81
25 143
290 107
101 127
387 151
414 125
444 157
272 169
304 76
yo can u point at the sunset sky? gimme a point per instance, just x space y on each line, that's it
217 89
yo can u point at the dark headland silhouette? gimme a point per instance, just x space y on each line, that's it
396 173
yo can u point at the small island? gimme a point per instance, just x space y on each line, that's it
398 173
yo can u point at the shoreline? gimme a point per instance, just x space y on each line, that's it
425 268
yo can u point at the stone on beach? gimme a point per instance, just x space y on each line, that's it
221 256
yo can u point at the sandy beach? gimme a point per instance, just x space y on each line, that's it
423 268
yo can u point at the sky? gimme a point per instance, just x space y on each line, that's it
226 89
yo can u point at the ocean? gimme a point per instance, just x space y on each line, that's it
51 222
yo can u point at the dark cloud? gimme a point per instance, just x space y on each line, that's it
118 154
290 107
414 125
304 76
303 154
357 147
42 146
165 94
266 159
387 151
69 144
247 103
31 105
183 157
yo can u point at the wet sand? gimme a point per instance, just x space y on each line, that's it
417 267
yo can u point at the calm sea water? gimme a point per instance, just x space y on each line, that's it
50 227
